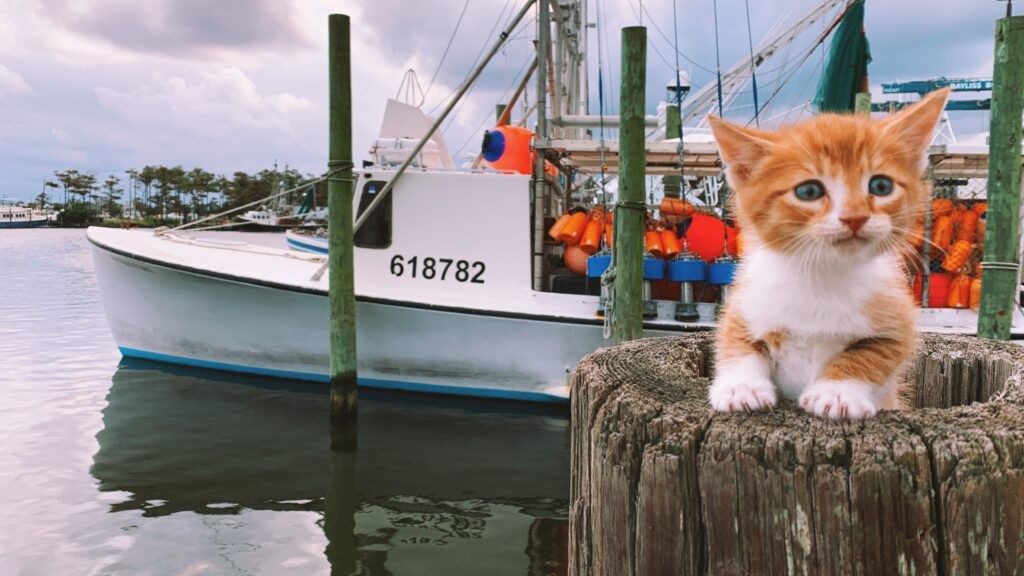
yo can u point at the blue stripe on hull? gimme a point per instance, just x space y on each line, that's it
366 382
306 247
32 224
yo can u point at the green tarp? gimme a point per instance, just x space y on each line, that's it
846 69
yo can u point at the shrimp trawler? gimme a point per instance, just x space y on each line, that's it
502 306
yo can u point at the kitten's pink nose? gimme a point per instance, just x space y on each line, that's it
854 223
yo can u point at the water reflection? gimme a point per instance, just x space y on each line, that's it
438 486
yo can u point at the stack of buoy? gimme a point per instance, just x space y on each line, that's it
957 239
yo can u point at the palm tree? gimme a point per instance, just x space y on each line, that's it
111 195
67 178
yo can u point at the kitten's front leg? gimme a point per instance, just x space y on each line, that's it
742 373
854 384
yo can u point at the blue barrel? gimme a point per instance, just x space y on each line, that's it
720 272
598 263
687 270
654 268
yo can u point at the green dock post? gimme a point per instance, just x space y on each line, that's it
630 208
1001 258
499 110
672 183
341 287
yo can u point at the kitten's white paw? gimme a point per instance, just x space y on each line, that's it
734 393
838 399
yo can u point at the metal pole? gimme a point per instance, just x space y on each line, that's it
444 114
630 208
1001 258
341 287
540 144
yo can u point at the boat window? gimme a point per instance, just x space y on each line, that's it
376 231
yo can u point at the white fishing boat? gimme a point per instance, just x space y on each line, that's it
13 215
306 241
478 306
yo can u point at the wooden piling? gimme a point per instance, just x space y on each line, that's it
661 485
672 126
1001 258
341 286
499 111
630 207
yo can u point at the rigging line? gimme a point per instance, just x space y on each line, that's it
654 24
445 53
753 65
511 85
718 60
650 40
480 53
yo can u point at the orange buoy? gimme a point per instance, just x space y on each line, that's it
980 207
707 236
670 243
958 255
938 289
959 291
509 149
652 244
573 229
556 229
590 242
576 260
675 207
609 234
968 226
916 236
942 234
975 300
942 207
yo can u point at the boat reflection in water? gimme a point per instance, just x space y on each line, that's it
438 485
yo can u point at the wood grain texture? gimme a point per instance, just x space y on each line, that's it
660 485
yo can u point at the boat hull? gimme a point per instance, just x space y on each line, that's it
306 243
160 312
39 223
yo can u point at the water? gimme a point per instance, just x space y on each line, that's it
116 467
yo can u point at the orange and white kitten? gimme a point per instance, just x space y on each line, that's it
820 311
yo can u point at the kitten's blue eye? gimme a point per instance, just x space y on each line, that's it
810 190
880 186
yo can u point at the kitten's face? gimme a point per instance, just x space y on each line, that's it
835 185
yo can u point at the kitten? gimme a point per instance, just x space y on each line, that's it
820 310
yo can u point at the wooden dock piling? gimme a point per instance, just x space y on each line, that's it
672 184
629 207
1001 259
660 485
341 286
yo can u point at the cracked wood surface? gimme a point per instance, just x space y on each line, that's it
660 485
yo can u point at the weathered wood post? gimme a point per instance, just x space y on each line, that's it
341 286
630 208
1001 258
661 485
672 184
499 111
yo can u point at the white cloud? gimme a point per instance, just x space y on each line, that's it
61 135
12 83
219 103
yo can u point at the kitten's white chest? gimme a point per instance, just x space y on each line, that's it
801 358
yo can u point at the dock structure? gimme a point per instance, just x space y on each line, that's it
660 485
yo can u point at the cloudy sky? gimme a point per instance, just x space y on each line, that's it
108 85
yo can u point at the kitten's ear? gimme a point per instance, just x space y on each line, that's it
914 125
739 146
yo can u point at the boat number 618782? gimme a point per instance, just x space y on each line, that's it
438 269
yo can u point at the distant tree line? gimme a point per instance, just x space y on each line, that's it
162 194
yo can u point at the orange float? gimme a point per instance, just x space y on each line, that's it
968 225
591 240
652 243
975 299
670 242
609 234
556 228
576 260
573 229
942 207
958 255
675 207
509 149
959 291
942 233
938 289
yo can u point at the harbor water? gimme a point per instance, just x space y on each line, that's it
116 467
